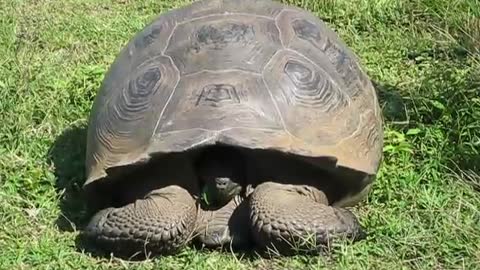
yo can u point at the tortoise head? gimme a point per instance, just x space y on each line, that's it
221 172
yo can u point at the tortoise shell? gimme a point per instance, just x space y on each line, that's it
253 74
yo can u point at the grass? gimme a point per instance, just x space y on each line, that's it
422 54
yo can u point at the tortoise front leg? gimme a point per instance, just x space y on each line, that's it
161 222
156 210
292 218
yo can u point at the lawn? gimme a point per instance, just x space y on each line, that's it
423 55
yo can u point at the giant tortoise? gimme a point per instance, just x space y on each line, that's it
258 101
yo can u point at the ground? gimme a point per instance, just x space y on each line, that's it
423 56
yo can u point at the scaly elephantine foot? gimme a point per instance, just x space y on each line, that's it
292 219
160 223
226 227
